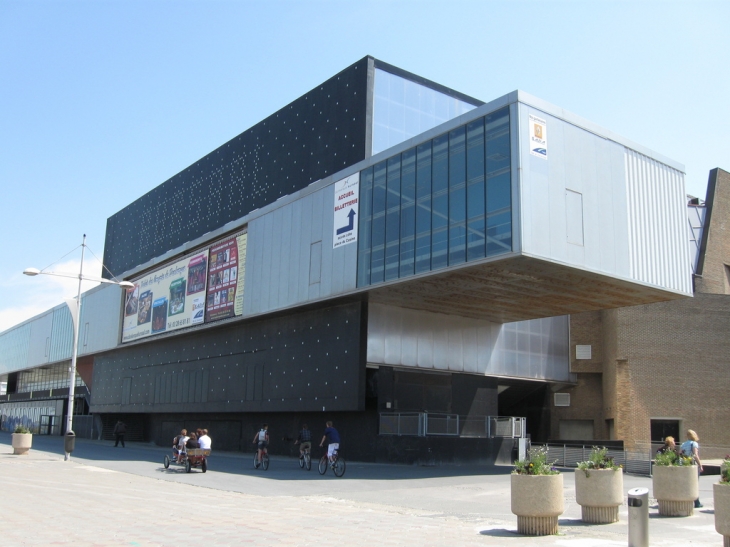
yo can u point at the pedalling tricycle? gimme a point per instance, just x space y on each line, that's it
191 457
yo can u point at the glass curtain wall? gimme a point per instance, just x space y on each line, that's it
445 202
403 109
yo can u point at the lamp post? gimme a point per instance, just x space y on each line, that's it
75 309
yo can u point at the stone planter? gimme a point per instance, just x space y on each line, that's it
537 500
675 488
21 443
599 492
721 493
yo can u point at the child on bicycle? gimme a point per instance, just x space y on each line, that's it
262 440
333 437
304 440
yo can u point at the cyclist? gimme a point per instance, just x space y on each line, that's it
304 440
333 437
262 440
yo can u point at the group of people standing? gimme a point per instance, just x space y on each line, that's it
689 449
195 439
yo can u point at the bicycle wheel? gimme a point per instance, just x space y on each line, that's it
301 460
338 468
256 462
188 467
308 461
167 461
204 465
323 465
265 461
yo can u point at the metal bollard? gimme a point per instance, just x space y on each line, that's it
639 517
69 443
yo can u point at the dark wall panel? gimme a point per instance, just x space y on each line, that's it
309 361
311 138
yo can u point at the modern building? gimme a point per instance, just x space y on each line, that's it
384 252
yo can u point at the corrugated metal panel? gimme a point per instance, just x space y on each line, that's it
40 339
14 345
536 349
279 262
658 250
100 319
62 337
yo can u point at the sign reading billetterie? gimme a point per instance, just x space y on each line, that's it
538 137
170 298
347 194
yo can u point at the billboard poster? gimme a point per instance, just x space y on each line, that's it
173 297
225 278
538 137
242 242
347 193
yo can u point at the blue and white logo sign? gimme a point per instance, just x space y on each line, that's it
347 194
538 137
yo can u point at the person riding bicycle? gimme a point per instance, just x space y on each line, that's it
262 440
304 440
178 447
333 437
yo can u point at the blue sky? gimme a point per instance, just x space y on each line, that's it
102 100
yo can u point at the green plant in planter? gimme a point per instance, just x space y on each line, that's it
535 464
21 429
598 459
672 458
725 471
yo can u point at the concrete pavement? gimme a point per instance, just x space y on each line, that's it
106 496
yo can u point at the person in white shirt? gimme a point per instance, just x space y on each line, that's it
204 440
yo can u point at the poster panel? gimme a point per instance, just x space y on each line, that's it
225 278
168 299
347 193
538 137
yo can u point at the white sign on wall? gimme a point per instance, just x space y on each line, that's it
538 137
347 194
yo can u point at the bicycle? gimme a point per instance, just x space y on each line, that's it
305 460
337 464
264 460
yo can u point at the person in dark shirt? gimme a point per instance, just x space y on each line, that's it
192 441
304 440
332 436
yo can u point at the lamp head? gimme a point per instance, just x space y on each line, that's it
126 284
31 271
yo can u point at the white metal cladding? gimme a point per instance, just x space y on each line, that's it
41 332
535 349
14 345
281 247
100 319
658 249
582 168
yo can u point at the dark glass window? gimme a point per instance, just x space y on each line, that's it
440 206
408 213
447 201
365 241
457 196
475 195
392 220
499 197
377 263
423 207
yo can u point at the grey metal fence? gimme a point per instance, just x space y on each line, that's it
425 423
636 463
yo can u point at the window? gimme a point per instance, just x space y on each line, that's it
445 202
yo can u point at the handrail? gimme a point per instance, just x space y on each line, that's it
423 424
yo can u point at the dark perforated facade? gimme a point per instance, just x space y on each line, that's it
314 136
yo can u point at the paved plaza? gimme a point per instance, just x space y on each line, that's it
106 496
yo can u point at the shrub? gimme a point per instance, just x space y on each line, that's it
725 471
21 429
672 458
598 459
535 464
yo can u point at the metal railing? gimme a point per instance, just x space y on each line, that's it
422 424
636 463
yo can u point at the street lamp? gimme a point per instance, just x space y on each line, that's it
75 309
